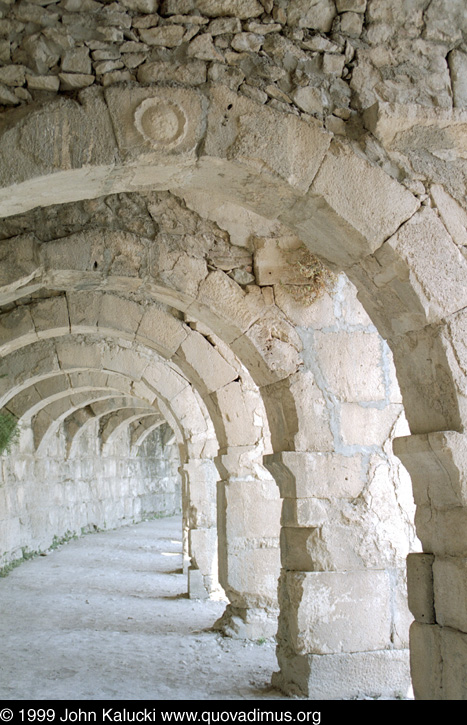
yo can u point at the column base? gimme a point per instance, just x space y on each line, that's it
347 676
247 623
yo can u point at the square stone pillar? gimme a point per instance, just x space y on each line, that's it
437 579
249 556
199 478
343 625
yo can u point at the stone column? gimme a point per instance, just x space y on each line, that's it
437 579
343 624
249 559
199 518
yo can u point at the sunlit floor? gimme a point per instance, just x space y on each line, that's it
106 616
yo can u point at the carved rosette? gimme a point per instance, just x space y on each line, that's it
162 123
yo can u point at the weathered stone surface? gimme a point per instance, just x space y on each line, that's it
316 475
420 587
242 9
168 120
75 81
43 83
341 351
449 584
168 36
247 125
437 464
352 675
458 68
453 215
326 602
439 287
316 14
426 661
193 73
203 48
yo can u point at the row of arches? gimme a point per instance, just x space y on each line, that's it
179 340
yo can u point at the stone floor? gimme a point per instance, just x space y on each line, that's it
106 616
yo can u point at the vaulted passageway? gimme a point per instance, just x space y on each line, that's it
180 244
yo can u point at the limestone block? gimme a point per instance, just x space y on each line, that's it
163 121
351 24
315 14
458 68
119 314
332 612
271 348
225 25
19 264
442 532
161 331
197 355
351 308
168 36
77 61
336 537
309 99
188 412
436 269
242 9
365 425
30 364
163 380
452 336
50 317
224 307
239 129
189 74
365 214
426 363
196 586
437 463
74 356
251 576
25 401
16 329
420 587
396 124
13 75
450 592
454 669
353 6
203 550
383 674
141 6
453 215
253 509
238 423
43 83
351 363
426 661
387 295
84 309
316 475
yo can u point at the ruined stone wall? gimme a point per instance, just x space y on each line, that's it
331 59
46 499
326 57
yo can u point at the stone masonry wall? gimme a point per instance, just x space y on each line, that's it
355 64
50 498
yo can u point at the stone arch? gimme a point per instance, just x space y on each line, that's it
372 232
